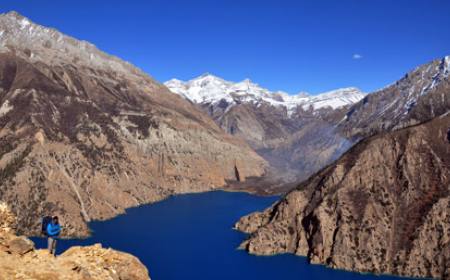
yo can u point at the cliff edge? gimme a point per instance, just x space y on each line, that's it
20 260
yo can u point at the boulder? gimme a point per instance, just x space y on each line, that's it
20 245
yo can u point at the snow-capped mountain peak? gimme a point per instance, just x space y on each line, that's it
210 89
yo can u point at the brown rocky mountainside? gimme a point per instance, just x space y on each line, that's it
20 260
383 207
85 135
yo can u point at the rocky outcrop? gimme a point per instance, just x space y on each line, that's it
20 260
85 135
383 207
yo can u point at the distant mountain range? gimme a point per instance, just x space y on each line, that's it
212 90
300 134
289 131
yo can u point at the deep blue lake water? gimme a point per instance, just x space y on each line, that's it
191 237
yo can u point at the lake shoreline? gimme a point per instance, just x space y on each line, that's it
231 187
188 230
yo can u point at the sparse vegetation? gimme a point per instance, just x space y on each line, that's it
14 165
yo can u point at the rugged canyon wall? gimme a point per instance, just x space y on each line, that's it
85 135
383 207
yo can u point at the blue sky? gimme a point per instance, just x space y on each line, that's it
310 45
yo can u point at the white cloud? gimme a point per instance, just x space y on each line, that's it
357 56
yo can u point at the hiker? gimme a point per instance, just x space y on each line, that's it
53 229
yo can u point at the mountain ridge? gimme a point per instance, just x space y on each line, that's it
295 134
208 88
417 97
31 34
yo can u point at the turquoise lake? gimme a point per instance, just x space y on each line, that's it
191 237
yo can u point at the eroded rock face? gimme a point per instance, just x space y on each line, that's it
20 260
84 135
383 207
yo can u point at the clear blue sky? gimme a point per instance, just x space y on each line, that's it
286 45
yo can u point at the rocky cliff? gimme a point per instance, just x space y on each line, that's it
85 135
383 207
20 260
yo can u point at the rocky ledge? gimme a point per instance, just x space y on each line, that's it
20 260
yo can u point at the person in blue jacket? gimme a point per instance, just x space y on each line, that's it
53 231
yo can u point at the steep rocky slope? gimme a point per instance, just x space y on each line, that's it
20 260
85 135
383 207
294 133
419 96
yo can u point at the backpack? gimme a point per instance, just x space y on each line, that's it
45 221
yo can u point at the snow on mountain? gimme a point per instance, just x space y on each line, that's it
415 85
336 98
418 96
46 44
209 89
204 89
